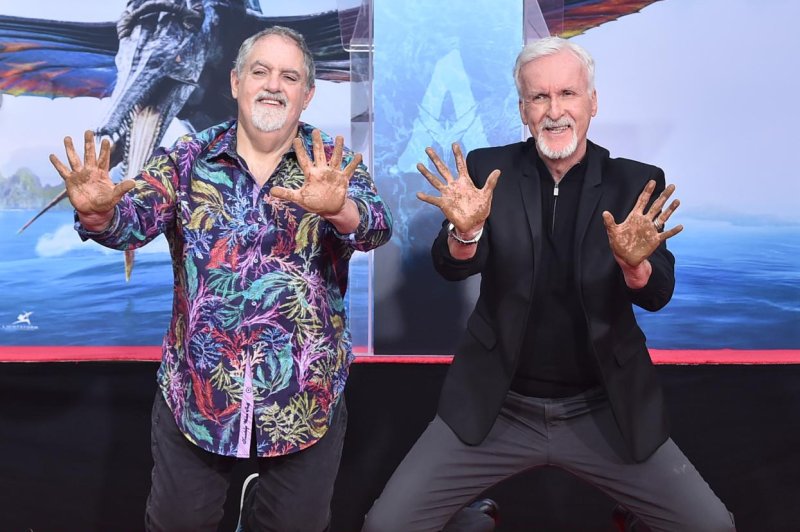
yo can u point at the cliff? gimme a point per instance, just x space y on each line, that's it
24 190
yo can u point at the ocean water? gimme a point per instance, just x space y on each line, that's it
77 294
737 287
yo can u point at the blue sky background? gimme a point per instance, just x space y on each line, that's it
707 90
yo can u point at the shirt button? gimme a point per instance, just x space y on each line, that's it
254 303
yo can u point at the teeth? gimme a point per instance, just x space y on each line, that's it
141 140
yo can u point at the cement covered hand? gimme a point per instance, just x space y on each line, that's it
324 190
89 186
638 236
463 204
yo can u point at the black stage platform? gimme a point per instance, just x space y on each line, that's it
75 446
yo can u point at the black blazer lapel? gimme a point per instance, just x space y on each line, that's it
591 193
531 192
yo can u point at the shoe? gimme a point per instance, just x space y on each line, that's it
488 507
247 486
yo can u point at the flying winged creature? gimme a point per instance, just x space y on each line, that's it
168 59
161 60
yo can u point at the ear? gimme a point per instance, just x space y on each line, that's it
522 111
234 83
309 96
594 103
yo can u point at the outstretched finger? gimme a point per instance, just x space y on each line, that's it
318 147
89 153
658 204
427 198
288 194
350 169
672 232
62 170
644 196
461 166
72 155
491 181
664 216
336 156
105 154
442 168
302 155
433 180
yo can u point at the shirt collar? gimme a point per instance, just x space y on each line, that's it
225 144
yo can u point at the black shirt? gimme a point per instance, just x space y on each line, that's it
556 359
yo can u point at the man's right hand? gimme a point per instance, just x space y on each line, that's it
89 186
463 204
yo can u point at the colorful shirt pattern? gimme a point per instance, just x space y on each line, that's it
258 330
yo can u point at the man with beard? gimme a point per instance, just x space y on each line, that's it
258 350
553 369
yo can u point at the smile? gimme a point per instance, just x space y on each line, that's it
269 101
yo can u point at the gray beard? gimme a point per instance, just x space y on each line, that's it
268 121
558 154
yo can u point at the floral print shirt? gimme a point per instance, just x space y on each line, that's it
258 345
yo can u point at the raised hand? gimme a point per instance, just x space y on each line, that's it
463 204
324 190
89 186
635 239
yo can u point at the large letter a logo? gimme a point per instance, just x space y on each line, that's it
447 114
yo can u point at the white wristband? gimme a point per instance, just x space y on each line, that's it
451 231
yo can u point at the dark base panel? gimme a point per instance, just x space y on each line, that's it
75 447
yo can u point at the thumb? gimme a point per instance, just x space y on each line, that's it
491 181
122 188
285 194
608 220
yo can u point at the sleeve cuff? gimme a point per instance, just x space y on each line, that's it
364 223
85 234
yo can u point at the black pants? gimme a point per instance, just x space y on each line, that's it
189 485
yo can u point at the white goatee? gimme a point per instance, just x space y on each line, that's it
566 151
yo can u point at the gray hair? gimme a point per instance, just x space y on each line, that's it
550 46
281 31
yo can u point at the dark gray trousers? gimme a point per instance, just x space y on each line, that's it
189 485
441 474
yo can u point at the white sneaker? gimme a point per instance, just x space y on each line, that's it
248 484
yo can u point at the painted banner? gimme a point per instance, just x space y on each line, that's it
67 67
688 86
702 89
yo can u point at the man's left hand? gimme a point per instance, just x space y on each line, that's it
635 239
324 190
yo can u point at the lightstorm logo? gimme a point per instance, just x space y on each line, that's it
22 323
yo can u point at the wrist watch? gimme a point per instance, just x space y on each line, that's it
451 232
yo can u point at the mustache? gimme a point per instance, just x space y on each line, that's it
277 96
561 122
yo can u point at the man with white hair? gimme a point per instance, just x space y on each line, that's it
257 354
553 369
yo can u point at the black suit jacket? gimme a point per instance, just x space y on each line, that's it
507 258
